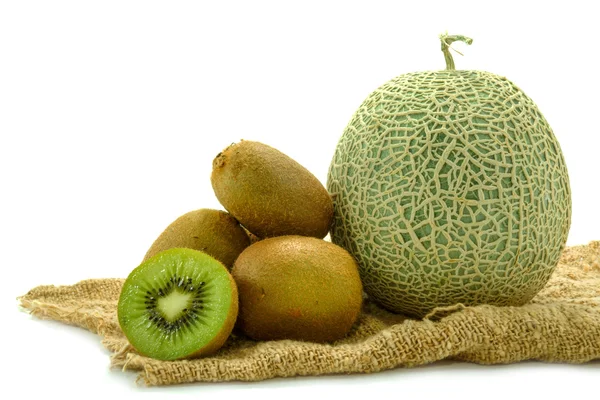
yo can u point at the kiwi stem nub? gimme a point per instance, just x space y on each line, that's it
447 41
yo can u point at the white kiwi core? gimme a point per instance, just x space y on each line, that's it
173 304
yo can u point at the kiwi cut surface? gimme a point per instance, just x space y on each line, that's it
214 232
181 303
269 193
297 287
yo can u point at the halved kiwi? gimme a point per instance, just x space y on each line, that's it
181 303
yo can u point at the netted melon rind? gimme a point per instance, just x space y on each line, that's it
450 187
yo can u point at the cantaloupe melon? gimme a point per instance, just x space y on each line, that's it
450 187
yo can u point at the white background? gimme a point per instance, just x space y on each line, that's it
112 111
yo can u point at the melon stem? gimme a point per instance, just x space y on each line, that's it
447 41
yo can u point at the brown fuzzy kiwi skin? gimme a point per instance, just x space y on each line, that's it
270 193
214 232
219 340
299 288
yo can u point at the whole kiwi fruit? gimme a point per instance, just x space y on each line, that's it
181 303
214 232
270 193
297 287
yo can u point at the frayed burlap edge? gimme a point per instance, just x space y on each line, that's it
562 324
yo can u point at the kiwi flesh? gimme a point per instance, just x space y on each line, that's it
270 193
214 232
181 303
297 287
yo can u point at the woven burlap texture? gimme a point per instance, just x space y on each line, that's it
561 324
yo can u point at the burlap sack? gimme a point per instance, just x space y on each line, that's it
562 324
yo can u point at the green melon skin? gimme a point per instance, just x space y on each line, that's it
450 187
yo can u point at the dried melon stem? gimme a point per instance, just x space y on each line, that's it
447 41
